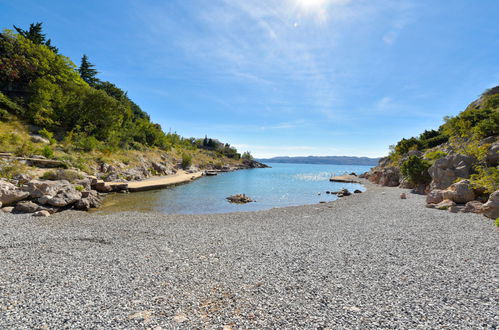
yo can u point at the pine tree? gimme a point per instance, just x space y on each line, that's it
87 71
36 36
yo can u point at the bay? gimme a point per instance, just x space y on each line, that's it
279 186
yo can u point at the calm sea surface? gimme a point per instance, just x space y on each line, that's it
279 186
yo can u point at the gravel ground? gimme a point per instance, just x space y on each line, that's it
371 260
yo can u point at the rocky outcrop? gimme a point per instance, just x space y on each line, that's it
10 194
473 207
239 199
447 169
26 207
90 199
385 176
491 208
58 193
250 163
460 192
434 196
493 155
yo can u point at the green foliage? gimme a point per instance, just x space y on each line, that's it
247 156
4 115
47 152
88 72
79 188
26 149
415 170
479 120
36 36
8 169
186 161
405 145
48 135
434 155
62 174
497 222
486 177
9 106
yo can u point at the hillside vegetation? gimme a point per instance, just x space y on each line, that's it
470 133
457 166
86 121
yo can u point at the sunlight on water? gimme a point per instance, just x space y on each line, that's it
279 186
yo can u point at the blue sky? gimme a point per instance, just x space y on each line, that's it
287 77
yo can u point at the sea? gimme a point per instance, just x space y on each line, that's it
279 186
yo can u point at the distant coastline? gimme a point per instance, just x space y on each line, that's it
332 160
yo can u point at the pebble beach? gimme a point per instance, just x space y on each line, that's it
370 260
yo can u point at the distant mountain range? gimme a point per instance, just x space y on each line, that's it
333 160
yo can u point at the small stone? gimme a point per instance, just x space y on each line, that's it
42 213
8 209
445 204
357 191
403 196
144 315
180 318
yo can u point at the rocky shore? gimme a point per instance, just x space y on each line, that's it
65 189
449 187
370 261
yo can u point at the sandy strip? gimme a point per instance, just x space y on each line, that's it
160 182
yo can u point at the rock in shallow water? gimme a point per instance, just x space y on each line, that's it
239 199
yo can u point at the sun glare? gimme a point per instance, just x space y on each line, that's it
311 5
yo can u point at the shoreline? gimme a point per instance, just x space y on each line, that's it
366 260
160 182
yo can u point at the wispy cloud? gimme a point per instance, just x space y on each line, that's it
275 45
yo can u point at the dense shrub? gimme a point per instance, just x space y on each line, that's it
247 156
47 152
186 161
61 174
415 170
486 177
434 155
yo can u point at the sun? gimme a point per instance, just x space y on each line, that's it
311 5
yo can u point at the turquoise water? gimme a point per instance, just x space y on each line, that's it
279 186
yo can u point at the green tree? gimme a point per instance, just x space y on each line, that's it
36 35
87 71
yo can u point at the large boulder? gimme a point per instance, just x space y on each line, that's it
10 194
90 199
460 192
161 169
26 207
434 196
491 208
473 207
447 169
493 155
39 188
58 193
385 176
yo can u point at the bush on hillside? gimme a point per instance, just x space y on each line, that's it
486 177
186 161
434 155
415 170
61 174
